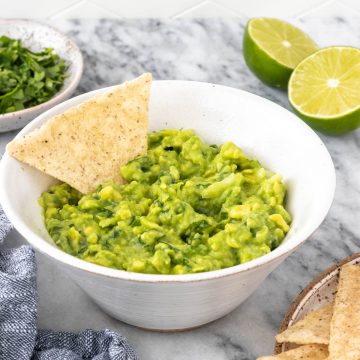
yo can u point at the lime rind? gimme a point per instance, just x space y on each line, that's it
334 126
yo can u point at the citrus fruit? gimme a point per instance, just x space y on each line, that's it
324 89
273 48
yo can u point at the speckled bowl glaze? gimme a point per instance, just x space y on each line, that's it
264 130
37 36
320 291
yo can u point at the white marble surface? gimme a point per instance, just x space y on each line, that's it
206 50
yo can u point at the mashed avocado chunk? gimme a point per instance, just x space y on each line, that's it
187 207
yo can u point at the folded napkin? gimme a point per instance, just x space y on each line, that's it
5 225
19 337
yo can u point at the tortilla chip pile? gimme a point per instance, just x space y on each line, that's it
86 145
331 332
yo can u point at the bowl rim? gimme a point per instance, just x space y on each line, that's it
71 261
316 283
62 93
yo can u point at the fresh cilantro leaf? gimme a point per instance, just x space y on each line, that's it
27 78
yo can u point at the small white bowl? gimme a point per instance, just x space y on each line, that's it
264 130
36 37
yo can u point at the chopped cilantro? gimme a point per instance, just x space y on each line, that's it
27 78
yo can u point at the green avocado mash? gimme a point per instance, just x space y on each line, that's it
187 207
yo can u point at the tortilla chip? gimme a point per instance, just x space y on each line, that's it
306 352
314 328
86 145
345 323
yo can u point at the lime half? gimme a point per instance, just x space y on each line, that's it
273 48
324 90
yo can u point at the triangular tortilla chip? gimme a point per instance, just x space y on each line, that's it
306 352
345 323
314 328
86 145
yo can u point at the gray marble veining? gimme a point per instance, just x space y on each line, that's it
206 50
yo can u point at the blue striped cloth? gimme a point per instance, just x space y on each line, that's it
19 337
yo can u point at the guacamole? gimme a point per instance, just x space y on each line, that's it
187 207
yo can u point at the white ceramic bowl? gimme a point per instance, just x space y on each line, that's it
37 36
264 130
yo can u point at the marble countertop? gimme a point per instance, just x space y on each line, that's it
206 50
